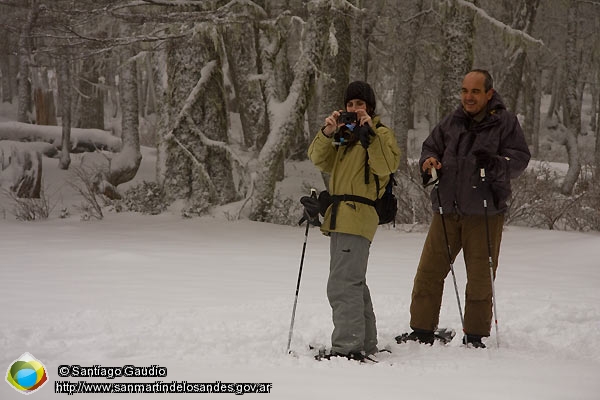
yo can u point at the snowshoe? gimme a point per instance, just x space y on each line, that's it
441 335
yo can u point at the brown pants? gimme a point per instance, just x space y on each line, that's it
469 234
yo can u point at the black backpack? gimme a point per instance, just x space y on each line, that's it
387 205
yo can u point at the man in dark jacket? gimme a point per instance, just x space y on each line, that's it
476 151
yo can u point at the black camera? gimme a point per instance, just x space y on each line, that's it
347 118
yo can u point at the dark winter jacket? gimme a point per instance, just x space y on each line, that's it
453 142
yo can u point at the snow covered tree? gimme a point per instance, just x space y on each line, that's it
457 54
197 168
125 164
509 82
287 115
408 29
241 47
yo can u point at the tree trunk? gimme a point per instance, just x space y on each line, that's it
45 111
405 55
125 164
194 169
532 101
558 83
164 119
24 82
362 27
457 57
596 116
332 82
509 83
65 98
241 48
5 67
149 99
90 110
572 104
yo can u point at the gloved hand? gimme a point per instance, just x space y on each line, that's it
484 160
429 178
363 132
325 201
311 209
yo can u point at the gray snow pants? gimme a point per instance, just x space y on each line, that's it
349 296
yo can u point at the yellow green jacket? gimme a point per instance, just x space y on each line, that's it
346 164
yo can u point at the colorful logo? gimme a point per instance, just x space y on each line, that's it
26 374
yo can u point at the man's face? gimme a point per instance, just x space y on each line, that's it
473 96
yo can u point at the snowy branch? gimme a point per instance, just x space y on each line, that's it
500 25
184 114
214 143
200 166
205 74
591 2
234 11
419 15
14 3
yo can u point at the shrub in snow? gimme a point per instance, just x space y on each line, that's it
284 211
145 198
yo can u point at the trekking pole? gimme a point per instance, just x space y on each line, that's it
313 193
490 260
437 190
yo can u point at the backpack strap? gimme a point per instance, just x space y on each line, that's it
337 198
367 168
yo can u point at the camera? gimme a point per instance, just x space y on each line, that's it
347 118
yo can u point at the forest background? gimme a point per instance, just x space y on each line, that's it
228 92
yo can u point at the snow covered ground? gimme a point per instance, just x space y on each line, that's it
211 300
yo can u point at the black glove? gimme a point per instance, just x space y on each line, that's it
484 160
363 132
311 209
428 179
325 200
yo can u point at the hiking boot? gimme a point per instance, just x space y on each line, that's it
420 336
473 341
358 356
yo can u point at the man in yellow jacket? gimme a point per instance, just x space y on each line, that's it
357 150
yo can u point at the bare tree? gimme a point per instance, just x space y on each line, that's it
509 83
24 51
65 96
405 60
572 103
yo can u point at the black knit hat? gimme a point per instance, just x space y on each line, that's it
362 91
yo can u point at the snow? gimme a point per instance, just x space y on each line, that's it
19 131
211 300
